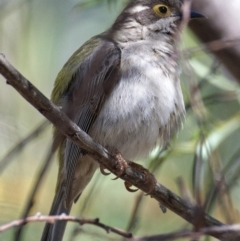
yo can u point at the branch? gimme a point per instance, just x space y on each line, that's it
38 181
63 217
54 114
230 230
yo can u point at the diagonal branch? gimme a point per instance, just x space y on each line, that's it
54 114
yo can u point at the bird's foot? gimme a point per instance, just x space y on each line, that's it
149 181
102 170
128 187
121 163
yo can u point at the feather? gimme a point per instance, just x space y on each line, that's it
81 88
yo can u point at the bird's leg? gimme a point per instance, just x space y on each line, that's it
121 163
121 166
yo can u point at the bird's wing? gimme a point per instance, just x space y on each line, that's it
85 95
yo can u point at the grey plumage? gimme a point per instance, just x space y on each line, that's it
122 87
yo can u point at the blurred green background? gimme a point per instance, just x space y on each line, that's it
38 37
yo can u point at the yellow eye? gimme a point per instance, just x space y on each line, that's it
162 10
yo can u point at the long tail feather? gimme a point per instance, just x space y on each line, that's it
54 232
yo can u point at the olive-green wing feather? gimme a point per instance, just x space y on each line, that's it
81 88
65 76
85 95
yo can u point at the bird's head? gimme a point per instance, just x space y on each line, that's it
143 19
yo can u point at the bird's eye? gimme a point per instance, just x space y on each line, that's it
162 10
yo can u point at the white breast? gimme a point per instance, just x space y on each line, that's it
139 110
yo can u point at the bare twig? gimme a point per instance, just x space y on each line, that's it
213 191
100 154
197 169
235 229
214 46
22 143
34 190
222 189
183 189
63 217
134 216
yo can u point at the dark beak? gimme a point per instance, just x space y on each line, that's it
192 15
196 15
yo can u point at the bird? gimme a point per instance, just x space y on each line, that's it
122 87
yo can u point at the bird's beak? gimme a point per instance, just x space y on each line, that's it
194 14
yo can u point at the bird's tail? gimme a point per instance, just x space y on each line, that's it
55 231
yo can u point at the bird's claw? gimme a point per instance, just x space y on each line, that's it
102 170
121 163
121 166
150 180
128 185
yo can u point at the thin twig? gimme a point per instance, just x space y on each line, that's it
31 199
214 46
22 143
235 228
134 216
63 217
224 198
